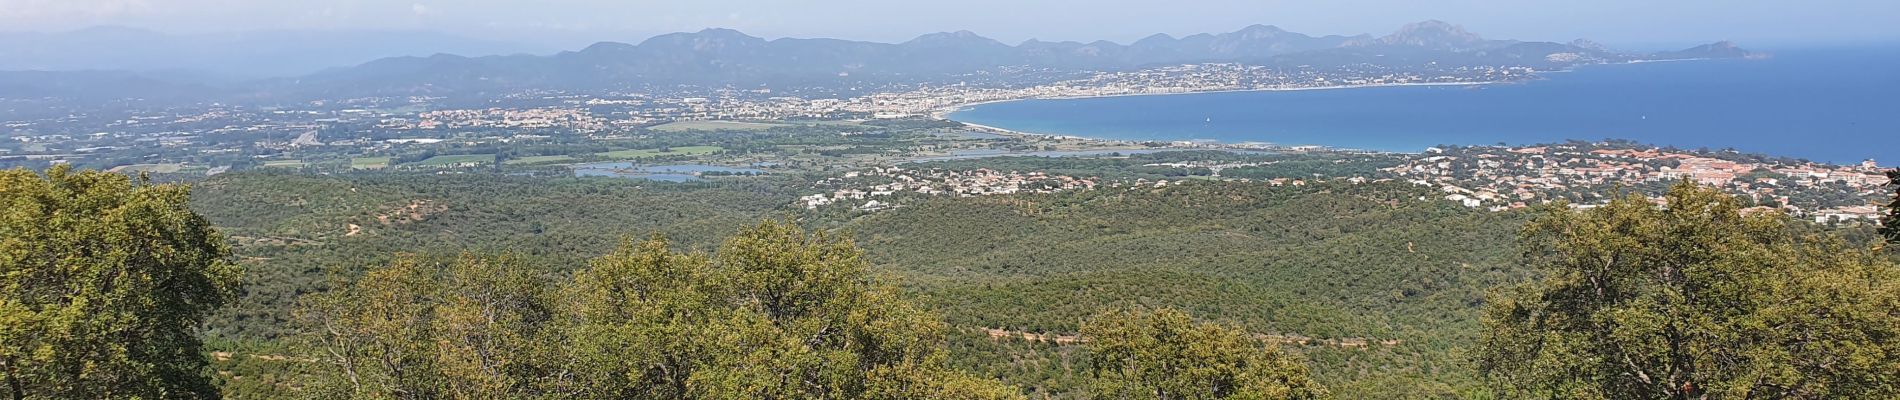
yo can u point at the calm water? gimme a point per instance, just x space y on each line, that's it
1836 105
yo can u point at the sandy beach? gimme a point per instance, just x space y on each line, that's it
944 112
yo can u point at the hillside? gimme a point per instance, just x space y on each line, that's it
1333 262
1328 261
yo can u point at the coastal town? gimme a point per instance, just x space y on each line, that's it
1495 178
1192 78
199 133
1499 177
565 129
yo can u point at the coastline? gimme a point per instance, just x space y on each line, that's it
1214 143
947 112
943 113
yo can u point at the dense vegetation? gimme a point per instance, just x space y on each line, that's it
1164 354
296 233
1331 263
775 313
104 282
480 285
1694 300
1347 267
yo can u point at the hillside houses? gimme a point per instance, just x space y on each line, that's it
1513 177
893 181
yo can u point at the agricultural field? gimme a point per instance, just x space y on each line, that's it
674 151
369 162
284 164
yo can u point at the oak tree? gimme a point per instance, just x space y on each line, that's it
1693 299
775 313
104 282
479 327
1164 354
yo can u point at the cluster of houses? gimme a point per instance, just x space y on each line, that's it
1512 177
545 117
864 188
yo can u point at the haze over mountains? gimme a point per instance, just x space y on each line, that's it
254 54
724 57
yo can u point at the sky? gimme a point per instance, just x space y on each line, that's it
574 23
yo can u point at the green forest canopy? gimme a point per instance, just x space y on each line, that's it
1379 289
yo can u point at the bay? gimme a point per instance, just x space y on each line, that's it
1839 105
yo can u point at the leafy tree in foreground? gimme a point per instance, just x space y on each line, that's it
1164 354
776 313
476 328
1890 224
1693 300
103 284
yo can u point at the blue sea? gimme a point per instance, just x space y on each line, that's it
1839 105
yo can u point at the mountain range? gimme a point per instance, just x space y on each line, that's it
228 55
729 58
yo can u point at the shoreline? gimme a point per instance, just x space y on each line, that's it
944 114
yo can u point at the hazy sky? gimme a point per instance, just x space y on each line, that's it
569 23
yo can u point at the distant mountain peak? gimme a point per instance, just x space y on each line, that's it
954 38
1431 24
1258 32
606 47
711 39
1434 34
727 34
724 33
1432 27
1262 28
708 33
1589 45
1155 40
958 35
